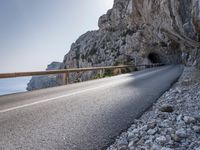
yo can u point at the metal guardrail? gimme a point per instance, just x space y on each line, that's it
67 71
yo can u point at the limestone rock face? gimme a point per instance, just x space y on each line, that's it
140 31
165 31
40 82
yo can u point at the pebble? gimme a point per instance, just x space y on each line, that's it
188 119
156 147
124 147
196 129
152 131
181 133
131 144
178 90
131 135
141 141
176 138
198 148
151 124
166 148
122 143
161 140
166 108
197 117
179 118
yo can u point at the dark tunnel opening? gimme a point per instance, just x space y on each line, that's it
154 58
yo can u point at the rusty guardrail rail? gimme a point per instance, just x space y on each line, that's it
67 71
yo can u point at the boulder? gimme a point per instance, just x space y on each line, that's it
166 108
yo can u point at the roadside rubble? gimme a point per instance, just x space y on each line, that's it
173 123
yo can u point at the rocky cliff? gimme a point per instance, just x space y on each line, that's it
141 31
40 82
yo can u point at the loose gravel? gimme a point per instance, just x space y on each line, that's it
173 123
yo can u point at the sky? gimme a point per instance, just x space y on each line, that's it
33 33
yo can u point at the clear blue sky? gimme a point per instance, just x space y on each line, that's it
34 33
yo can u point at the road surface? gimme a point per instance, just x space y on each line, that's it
82 116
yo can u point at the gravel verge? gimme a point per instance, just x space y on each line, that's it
173 123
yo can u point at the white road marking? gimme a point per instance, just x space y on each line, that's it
50 99
67 95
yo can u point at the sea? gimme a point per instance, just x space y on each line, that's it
13 85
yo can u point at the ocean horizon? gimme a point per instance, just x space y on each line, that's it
13 85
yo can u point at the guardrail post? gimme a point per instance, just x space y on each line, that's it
120 71
79 76
101 73
66 78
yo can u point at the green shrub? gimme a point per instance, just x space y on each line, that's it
108 73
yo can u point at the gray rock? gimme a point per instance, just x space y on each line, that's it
166 108
152 124
132 135
165 123
123 147
40 82
196 129
141 141
132 148
161 140
178 90
198 148
197 117
122 144
171 130
188 119
132 144
148 142
166 148
156 147
135 131
152 131
181 133
144 128
176 138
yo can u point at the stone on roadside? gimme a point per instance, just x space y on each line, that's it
141 141
132 136
176 138
161 140
123 147
198 148
189 119
122 143
181 133
166 148
196 129
197 117
152 131
178 90
166 108
131 143
156 147
151 124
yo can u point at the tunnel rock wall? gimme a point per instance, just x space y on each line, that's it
169 25
133 29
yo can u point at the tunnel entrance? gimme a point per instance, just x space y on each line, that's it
154 58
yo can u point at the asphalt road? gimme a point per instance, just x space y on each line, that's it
83 116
